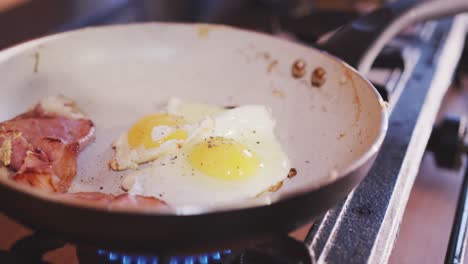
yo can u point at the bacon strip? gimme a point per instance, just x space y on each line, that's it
41 146
120 201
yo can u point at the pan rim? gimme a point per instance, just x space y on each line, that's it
19 48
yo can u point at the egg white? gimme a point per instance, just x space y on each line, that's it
191 111
173 179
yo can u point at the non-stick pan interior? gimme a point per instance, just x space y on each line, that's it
121 73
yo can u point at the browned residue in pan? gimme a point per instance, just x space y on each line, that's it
203 31
278 93
292 173
37 57
357 101
318 78
265 55
275 187
272 65
298 68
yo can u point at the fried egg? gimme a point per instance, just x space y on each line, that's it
225 156
158 134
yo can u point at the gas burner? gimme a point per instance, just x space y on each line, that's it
115 257
278 250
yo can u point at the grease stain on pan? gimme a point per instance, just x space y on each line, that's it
203 31
271 66
341 135
271 62
250 54
278 93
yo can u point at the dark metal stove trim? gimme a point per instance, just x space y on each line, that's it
363 229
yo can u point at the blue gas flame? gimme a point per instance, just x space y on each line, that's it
114 257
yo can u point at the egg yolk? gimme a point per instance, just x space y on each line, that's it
141 132
224 159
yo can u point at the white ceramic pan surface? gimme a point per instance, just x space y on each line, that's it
121 73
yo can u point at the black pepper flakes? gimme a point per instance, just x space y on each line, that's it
318 77
292 173
100 188
298 69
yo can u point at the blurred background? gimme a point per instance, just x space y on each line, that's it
24 19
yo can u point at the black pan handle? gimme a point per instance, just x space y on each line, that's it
456 248
449 144
359 42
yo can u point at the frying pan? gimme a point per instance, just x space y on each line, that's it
331 132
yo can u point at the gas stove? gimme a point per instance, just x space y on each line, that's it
412 73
